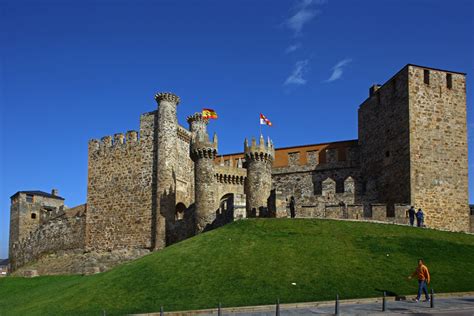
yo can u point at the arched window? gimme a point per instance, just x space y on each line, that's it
179 213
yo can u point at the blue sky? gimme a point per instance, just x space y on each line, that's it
75 70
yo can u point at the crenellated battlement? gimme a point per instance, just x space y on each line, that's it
203 148
117 140
203 151
167 96
259 152
197 117
230 174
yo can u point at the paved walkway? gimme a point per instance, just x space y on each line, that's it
460 304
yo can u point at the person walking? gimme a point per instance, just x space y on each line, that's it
420 218
411 215
424 279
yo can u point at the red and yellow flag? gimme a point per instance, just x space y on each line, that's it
264 120
209 114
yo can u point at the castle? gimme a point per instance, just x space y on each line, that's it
164 183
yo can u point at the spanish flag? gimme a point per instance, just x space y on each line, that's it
209 114
264 120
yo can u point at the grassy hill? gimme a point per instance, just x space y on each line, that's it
253 262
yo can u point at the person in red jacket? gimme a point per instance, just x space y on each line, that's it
423 276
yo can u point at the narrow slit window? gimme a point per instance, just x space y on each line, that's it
449 81
426 76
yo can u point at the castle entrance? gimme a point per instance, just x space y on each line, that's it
225 213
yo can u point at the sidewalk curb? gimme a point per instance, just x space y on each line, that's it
266 308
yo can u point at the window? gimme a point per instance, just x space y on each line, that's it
33 215
339 186
387 153
426 76
449 81
29 198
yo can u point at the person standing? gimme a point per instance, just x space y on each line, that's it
424 279
411 215
420 218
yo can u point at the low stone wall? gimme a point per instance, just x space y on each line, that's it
78 262
58 234
368 212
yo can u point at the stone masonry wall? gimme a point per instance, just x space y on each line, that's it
58 234
384 142
438 143
184 170
120 189
230 193
305 182
26 217
183 225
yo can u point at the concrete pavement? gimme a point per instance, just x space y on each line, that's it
456 304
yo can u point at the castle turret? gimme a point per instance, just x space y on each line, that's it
259 160
167 157
198 126
203 152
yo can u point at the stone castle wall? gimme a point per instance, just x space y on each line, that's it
438 147
120 189
384 142
57 234
329 175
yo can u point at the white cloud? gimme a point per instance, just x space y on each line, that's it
296 77
305 12
292 48
337 70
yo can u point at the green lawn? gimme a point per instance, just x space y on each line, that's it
254 262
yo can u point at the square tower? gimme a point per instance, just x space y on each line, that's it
413 138
27 210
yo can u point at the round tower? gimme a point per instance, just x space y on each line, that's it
258 185
198 126
203 152
167 156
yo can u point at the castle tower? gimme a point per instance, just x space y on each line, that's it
259 160
198 126
413 140
26 211
203 152
167 157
